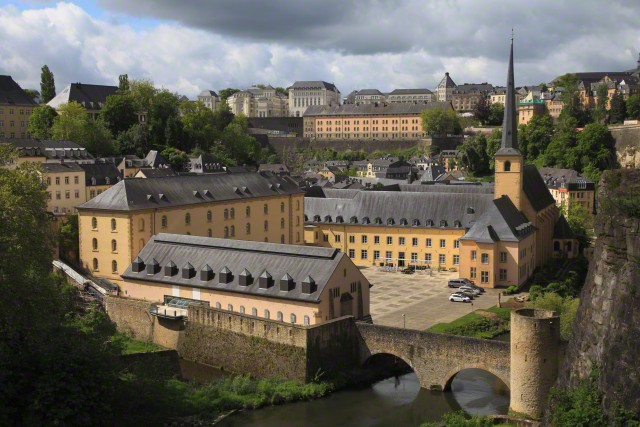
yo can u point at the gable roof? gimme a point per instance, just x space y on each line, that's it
257 258
313 85
155 160
99 173
157 173
562 229
446 82
11 93
535 189
150 193
60 167
208 93
91 97
501 221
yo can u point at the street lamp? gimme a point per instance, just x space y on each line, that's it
404 321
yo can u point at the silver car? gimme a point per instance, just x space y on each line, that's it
469 289
459 297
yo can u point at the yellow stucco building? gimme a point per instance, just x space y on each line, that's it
116 225
287 283
65 186
568 187
15 109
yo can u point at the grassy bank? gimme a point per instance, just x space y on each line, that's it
131 346
486 324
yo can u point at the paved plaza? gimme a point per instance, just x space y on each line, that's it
422 298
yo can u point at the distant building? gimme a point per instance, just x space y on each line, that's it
369 96
99 177
15 109
367 122
66 186
568 187
49 151
155 173
259 102
131 165
205 163
530 107
410 95
91 97
303 94
465 98
209 98
279 169
445 88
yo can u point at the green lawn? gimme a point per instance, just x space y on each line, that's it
475 325
131 346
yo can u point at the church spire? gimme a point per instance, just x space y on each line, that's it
509 143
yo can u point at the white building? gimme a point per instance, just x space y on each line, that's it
210 99
302 94
410 95
259 102
445 89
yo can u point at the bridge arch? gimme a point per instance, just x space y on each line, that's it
448 378
374 355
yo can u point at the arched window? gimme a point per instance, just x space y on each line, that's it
226 214
297 205
242 309
226 232
114 266
94 244
297 236
187 218
113 224
254 311
266 208
114 245
281 206
282 238
163 221
232 213
282 223
209 216
94 222
233 230
95 263
248 228
306 320
209 233
141 224
248 211
266 226
280 316
218 305
230 307
507 166
297 220
293 318
141 243
267 315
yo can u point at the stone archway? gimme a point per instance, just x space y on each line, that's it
448 378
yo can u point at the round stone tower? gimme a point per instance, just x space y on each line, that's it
535 338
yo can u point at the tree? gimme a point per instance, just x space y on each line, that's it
618 110
534 137
595 147
242 148
33 94
564 139
123 83
176 158
496 114
164 106
580 220
40 121
282 91
473 154
223 116
74 124
442 122
493 145
143 93
602 94
633 107
482 112
570 97
136 140
119 113
199 125
68 239
226 93
47 85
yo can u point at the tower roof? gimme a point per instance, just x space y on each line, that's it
509 145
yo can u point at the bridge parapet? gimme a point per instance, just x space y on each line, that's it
435 358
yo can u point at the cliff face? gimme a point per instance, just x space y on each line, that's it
607 327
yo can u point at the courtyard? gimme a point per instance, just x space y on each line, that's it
420 300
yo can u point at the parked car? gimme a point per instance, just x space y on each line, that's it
456 283
459 297
408 270
467 293
480 288
470 289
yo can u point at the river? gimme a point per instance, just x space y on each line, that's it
392 402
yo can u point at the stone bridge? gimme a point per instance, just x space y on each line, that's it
435 358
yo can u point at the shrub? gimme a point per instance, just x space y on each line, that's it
510 290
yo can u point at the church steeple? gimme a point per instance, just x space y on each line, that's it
509 143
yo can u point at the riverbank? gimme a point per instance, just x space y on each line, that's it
486 324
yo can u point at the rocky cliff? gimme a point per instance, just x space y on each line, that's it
606 332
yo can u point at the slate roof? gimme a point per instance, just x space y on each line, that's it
410 92
501 221
446 82
535 189
431 173
555 177
158 173
91 97
471 88
562 230
60 167
236 255
208 93
421 206
100 172
372 109
368 92
51 149
313 85
11 93
275 168
136 194
155 160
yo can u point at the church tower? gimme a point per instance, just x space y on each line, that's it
509 163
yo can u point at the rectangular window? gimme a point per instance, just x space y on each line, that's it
388 255
389 240
325 237
443 243
337 238
503 274
485 258
428 242
503 257
472 273
57 180
414 241
376 255
456 244
456 259
363 254
67 194
352 239
376 240
427 258
414 256
484 277
364 239
75 179
474 255
66 179
77 195
57 195
442 258
352 253
401 241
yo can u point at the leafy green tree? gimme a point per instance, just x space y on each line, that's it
242 148
143 93
199 124
472 154
119 113
123 83
47 85
164 106
136 140
482 112
595 147
563 141
496 114
282 91
493 145
633 107
68 239
580 220
74 124
439 121
227 92
580 406
534 137
33 94
565 307
618 110
41 121
176 158
223 116
570 95
600 111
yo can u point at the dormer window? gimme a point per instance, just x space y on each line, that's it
390 221
327 218
443 223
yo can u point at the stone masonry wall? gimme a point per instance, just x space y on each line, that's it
131 317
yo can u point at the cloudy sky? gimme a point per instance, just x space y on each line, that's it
190 45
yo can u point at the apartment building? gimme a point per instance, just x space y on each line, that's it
465 98
116 225
209 98
410 95
259 102
66 188
91 97
15 109
99 177
48 151
368 121
445 88
568 187
303 94
529 107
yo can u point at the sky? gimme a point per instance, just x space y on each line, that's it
190 45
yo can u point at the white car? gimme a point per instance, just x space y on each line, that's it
458 297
